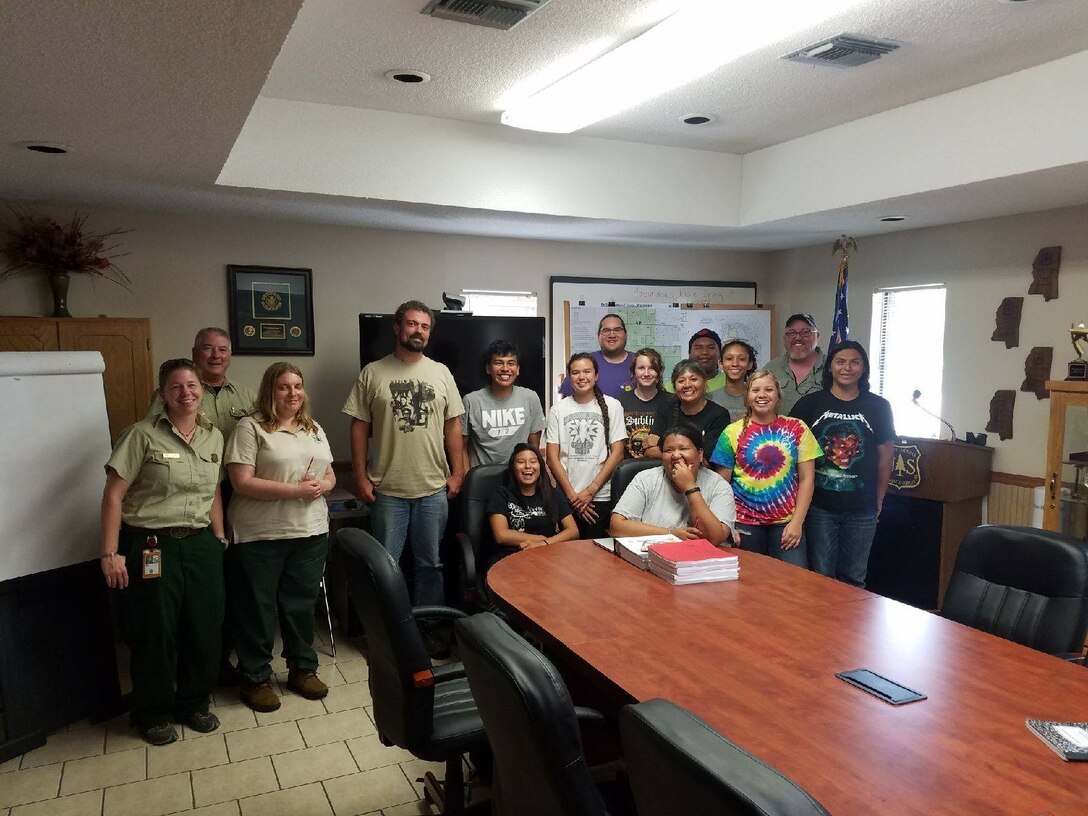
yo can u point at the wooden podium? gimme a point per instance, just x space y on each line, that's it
934 500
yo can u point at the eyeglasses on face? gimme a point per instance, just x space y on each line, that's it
803 334
617 330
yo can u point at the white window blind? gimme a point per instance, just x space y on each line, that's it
492 303
907 355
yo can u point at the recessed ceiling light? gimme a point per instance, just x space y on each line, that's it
698 118
51 148
891 219
407 76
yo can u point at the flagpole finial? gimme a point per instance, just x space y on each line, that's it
844 244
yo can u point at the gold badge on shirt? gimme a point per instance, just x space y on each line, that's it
215 458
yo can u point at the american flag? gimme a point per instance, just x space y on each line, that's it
840 326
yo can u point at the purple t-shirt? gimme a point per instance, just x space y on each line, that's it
611 377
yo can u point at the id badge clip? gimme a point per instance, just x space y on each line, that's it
152 558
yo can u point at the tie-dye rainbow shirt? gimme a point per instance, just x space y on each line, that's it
764 461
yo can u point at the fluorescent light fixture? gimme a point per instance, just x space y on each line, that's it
691 43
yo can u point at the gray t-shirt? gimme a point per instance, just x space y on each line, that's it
494 426
652 499
734 405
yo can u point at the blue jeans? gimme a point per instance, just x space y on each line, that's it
766 539
840 542
393 521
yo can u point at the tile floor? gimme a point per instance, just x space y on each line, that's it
309 758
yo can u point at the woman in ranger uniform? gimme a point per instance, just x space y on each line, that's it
162 539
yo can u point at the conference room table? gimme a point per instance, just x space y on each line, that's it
756 658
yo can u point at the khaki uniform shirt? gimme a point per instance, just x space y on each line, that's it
791 389
279 456
170 483
407 405
223 410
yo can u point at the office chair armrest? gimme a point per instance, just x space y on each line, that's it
440 612
468 560
448 671
589 715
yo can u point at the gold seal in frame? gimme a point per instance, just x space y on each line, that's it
248 331
295 331
271 301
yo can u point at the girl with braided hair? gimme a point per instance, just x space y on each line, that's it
585 440
690 404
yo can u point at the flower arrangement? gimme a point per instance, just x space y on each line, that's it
41 245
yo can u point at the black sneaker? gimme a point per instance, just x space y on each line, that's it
160 734
203 722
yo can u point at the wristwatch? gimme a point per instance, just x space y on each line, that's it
691 490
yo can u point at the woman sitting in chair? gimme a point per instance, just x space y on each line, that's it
525 512
681 498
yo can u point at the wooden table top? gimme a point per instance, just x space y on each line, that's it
756 658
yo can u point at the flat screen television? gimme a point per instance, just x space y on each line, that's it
460 343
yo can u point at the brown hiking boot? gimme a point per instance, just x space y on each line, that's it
306 683
258 696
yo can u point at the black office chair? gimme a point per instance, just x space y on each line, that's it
540 768
1023 584
626 471
427 710
679 764
475 536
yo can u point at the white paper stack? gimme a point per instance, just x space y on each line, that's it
692 562
632 549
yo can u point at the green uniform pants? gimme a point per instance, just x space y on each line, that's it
173 625
278 578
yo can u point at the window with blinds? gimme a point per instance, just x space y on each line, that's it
494 303
907 355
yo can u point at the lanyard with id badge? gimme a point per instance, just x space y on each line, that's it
152 558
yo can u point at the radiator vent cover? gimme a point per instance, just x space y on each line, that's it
503 14
843 51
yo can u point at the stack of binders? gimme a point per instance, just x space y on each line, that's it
692 562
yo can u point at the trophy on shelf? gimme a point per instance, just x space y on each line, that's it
1078 368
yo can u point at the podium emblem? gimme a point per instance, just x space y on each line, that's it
906 467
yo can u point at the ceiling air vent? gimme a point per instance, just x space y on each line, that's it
504 14
843 51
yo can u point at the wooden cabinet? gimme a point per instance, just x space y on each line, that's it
1066 447
125 345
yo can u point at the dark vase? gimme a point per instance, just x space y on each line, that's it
58 282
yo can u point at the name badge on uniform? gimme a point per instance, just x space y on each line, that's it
171 456
152 559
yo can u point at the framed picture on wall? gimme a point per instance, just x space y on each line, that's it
271 310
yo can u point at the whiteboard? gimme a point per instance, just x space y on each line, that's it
56 439
668 328
574 301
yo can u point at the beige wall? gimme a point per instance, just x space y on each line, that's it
177 264
980 262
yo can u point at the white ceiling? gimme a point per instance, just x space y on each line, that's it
154 101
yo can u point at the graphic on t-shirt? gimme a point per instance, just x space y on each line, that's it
843 443
410 400
518 515
501 422
582 429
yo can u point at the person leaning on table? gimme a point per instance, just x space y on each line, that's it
279 461
162 537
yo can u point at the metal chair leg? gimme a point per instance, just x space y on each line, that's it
328 615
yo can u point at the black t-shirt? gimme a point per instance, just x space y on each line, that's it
711 421
849 433
525 514
638 418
